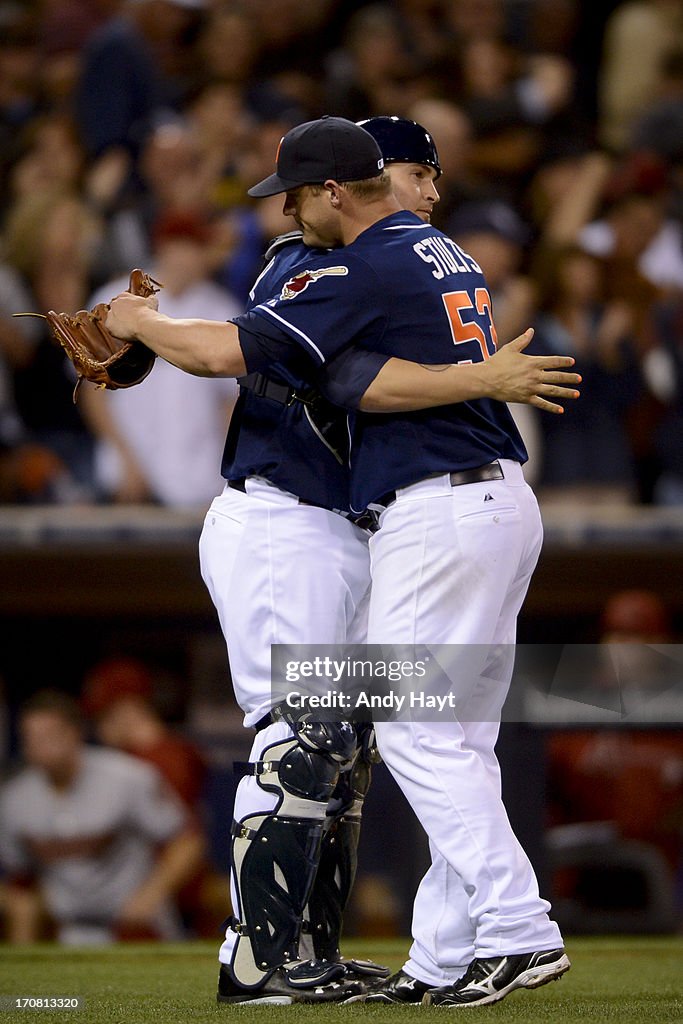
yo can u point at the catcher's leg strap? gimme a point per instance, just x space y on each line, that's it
338 861
275 855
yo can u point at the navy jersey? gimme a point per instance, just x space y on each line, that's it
404 289
285 443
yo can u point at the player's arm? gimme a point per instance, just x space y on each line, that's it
212 349
155 812
175 865
509 376
24 912
205 348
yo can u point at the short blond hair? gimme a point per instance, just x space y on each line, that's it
364 188
369 188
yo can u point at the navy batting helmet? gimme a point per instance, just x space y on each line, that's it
403 141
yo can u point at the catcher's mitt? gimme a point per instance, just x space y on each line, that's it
96 354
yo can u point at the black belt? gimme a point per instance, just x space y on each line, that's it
492 471
366 520
264 387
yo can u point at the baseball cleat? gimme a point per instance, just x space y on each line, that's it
277 991
487 981
400 988
365 971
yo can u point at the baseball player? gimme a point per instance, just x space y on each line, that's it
199 348
322 575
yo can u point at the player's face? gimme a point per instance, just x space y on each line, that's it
414 187
48 742
314 215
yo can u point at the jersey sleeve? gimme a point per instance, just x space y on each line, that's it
323 308
268 350
346 378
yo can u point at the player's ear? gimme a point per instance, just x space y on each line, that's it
333 189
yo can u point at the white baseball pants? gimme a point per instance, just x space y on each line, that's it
451 565
280 573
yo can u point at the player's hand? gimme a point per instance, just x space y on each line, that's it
133 486
531 380
123 318
140 908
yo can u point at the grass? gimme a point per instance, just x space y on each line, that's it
624 980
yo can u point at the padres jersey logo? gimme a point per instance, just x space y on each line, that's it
300 282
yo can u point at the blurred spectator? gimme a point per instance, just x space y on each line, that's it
496 236
629 779
642 255
510 101
229 44
374 72
223 128
133 73
659 129
475 19
268 54
18 340
587 456
118 694
93 832
643 244
636 616
162 441
19 80
173 177
247 232
50 237
452 133
565 193
422 26
637 36
65 27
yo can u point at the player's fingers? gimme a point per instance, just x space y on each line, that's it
556 391
541 403
561 377
553 362
520 343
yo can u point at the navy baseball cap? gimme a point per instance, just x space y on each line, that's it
403 141
330 147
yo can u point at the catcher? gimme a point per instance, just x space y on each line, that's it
95 353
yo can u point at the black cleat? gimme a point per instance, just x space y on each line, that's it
399 988
278 991
487 981
363 970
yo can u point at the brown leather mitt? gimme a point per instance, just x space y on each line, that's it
96 354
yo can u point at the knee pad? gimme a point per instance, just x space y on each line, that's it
338 740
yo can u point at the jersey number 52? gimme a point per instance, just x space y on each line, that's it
458 306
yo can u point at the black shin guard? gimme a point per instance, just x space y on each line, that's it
338 862
276 854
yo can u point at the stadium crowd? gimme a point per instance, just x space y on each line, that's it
131 129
